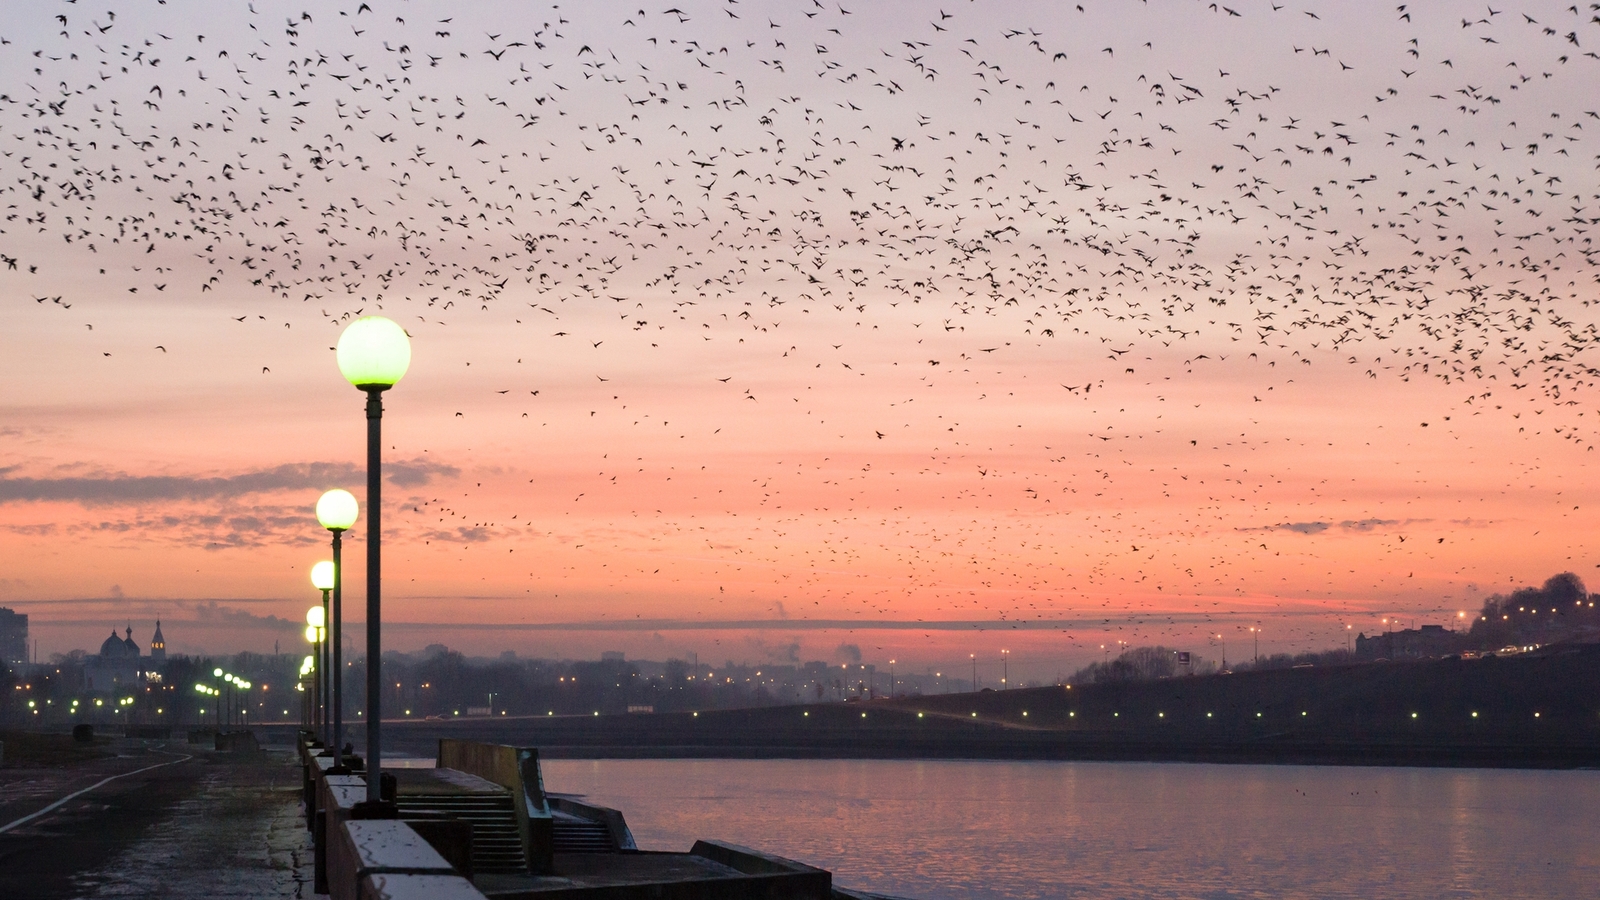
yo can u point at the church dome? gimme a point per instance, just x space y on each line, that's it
114 647
133 648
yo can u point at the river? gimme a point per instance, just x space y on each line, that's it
941 830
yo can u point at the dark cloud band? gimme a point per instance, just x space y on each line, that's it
125 489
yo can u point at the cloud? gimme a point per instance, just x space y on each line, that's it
1300 527
135 489
416 472
1320 527
212 613
1367 524
462 534
31 530
851 652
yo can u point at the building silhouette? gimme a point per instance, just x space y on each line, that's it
13 637
119 663
1412 643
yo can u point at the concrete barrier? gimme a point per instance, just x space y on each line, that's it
771 877
517 770
368 847
378 859
616 826
385 886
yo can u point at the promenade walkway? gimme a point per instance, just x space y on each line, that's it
212 826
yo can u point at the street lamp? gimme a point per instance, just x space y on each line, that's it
337 511
322 580
374 353
315 632
307 667
208 691
1005 670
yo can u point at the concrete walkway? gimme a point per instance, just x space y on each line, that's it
211 827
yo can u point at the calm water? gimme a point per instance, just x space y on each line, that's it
948 830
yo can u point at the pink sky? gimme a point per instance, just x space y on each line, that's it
1117 344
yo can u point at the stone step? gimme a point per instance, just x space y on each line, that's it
581 836
496 840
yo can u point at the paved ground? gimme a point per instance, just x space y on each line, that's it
211 826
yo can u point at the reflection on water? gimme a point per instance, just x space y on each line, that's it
947 830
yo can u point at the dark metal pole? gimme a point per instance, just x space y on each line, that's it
322 663
374 603
338 657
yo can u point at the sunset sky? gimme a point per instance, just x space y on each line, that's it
796 331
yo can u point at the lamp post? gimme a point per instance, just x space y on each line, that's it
307 667
208 691
322 580
337 510
222 720
373 354
1005 670
241 707
314 635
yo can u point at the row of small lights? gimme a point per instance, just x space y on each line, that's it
125 701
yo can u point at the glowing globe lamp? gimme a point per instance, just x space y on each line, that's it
315 617
322 575
374 353
337 510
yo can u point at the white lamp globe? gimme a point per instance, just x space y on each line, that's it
374 352
313 634
322 575
337 510
314 617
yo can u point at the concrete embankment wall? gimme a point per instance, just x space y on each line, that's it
369 859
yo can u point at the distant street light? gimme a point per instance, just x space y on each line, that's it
307 667
208 691
1005 669
337 511
373 354
315 620
322 580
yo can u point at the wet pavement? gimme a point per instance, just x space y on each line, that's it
212 826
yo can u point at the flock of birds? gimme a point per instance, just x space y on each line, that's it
852 188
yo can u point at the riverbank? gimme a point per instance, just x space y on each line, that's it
1518 712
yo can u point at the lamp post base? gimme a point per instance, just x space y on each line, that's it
375 809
